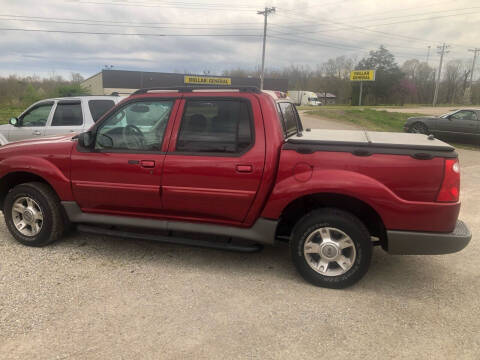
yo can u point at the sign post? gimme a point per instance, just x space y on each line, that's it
362 75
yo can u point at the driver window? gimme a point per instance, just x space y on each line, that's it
38 116
137 126
465 115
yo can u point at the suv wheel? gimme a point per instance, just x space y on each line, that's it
33 214
331 248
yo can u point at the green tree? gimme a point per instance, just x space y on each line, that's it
30 95
70 90
387 78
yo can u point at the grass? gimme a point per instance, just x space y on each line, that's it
370 119
8 111
378 120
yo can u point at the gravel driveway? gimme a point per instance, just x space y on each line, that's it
94 297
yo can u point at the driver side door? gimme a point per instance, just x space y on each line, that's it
32 123
122 172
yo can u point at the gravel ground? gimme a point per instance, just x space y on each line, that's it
94 297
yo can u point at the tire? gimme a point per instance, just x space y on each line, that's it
419 128
326 234
36 200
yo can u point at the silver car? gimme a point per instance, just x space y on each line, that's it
57 117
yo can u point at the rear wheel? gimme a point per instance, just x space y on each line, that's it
331 248
419 128
33 214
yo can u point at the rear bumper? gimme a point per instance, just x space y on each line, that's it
427 243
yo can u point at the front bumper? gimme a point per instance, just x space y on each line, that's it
427 243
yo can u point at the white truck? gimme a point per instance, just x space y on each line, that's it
300 97
57 116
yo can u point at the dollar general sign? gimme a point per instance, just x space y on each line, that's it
206 80
362 75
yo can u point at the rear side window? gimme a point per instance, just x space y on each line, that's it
215 126
291 123
68 113
99 107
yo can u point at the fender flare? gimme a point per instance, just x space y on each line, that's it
340 182
40 167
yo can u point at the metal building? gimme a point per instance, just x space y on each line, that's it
125 82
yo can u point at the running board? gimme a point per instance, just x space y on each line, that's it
228 246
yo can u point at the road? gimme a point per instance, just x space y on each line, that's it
94 297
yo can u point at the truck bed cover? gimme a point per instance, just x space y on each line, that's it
369 142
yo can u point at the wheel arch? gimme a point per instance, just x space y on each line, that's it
12 179
297 208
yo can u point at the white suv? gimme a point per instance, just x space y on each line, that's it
57 116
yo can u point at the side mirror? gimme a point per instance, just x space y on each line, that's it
85 139
13 121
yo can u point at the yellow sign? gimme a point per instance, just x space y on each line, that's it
206 80
362 75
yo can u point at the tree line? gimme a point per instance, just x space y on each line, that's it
413 82
23 91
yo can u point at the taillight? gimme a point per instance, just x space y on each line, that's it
450 190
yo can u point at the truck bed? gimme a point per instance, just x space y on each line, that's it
371 142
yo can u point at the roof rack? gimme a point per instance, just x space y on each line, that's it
253 89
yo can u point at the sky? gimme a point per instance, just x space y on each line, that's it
54 37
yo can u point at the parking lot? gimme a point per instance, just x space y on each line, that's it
99 297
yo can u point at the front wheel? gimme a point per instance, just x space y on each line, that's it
419 128
33 214
331 248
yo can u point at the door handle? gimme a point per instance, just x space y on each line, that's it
147 163
244 168
37 132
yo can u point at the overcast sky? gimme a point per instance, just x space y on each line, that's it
303 32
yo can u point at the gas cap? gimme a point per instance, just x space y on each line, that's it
303 172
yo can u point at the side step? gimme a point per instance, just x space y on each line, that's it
228 246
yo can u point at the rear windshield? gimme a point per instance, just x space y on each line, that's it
289 117
99 107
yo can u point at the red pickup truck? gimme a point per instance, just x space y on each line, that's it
234 169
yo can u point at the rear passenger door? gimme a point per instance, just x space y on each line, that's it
67 118
215 161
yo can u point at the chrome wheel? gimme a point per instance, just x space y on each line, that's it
27 216
329 251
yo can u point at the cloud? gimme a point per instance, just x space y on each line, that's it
317 32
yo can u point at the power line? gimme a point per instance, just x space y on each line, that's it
125 24
128 34
190 6
348 26
99 22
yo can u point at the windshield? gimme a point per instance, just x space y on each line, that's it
448 114
313 99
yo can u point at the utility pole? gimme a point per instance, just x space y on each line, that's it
265 13
475 51
442 51
428 53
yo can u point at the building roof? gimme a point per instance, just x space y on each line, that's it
124 79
